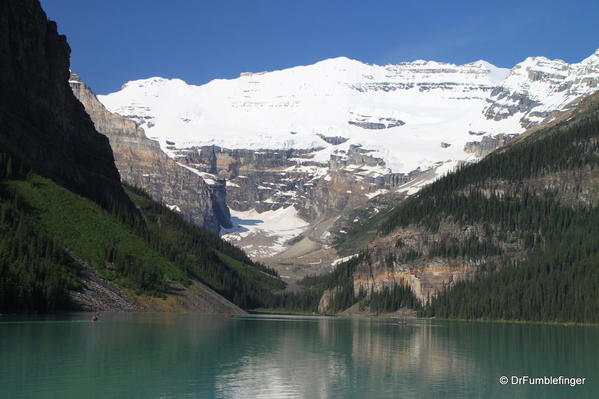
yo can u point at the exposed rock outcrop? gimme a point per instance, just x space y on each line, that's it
142 163
271 179
41 121
431 258
335 140
488 144
543 77
98 294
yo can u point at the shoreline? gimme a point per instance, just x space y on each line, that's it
410 316
284 312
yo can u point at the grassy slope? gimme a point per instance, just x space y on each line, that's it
87 230
167 246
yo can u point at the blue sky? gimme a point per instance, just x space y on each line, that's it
114 41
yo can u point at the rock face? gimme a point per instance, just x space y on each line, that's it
98 294
532 81
41 121
375 123
43 124
142 163
270 179
488 144
403 258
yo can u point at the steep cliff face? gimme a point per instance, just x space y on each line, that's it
270 179
65 236
142 163
264 185
41 121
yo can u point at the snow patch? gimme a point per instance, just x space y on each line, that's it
271 229
345 259
413 186
376 193
174 208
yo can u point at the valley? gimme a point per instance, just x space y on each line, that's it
334 185
347 220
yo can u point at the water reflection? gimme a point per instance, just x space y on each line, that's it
173 356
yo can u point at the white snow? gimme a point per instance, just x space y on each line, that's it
284 109
275 228
345 259
376 193
208 177
412 187
174 208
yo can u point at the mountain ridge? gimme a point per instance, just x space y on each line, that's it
142 163
268 105
329 136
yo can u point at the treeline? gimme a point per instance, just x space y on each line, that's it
473 247
340 284
197 250
571 145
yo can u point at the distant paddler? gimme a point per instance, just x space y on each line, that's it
96 316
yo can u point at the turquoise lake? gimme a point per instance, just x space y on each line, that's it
196 356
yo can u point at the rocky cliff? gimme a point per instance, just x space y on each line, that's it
142 163
41 121
63 237
271 179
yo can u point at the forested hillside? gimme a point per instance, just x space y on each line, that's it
43 225
538 249
514 236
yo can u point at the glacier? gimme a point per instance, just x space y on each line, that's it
293 108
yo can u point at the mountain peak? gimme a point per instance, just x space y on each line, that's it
339 61
152 81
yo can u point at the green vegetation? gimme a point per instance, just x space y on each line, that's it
555 225
205 256
35 273
95 236
46 229
569 146
557 282
471 248
358 235
340 283
391 299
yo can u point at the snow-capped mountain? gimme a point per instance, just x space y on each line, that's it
403 112
328 137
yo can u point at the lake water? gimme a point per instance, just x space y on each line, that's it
192 356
